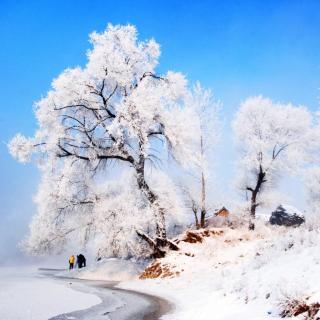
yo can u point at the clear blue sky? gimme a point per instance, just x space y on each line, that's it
238 48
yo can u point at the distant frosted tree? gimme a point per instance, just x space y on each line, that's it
312 184
311 175
112 110
272 140
206 110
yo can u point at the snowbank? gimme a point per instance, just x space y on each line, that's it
23 296
240 274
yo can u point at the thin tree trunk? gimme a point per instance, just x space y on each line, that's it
195 212
253 207
203 191
254 194
203 202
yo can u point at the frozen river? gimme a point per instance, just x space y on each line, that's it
116 304
28 293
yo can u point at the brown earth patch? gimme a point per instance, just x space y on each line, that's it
294 308
159 270
197 236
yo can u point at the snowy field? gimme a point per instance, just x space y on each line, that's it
26 296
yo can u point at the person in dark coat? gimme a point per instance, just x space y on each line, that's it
81 261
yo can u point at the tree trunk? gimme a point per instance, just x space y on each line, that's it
152 198
160 242
195 212
195 208
158 252
203 202
203 191
254 193
253 207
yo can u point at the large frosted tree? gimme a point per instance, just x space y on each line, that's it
272 140
111 110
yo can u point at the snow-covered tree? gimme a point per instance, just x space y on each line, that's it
311 175
272 139
312 185
206 110
112 110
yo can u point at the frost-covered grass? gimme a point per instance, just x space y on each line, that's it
240 274
24 295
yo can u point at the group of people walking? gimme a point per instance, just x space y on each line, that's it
81 261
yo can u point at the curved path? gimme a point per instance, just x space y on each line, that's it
117 304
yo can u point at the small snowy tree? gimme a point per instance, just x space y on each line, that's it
206 110
272 140
111 110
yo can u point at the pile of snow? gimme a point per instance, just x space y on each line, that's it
24 295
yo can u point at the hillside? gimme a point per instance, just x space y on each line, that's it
236 274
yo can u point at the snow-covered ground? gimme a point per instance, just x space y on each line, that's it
241 275
231 274
237 274
26 296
